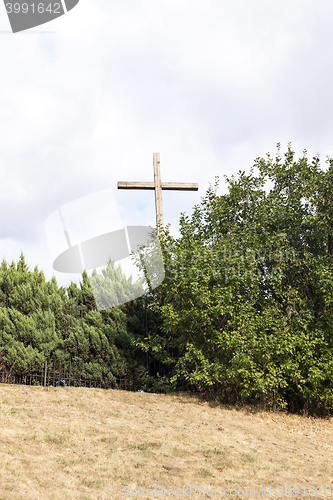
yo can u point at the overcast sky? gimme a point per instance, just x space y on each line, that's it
209 84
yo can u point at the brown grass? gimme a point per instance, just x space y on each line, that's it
79 443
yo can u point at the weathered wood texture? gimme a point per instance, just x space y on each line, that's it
157 186
171 186
158 191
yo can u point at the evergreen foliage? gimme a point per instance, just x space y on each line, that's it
41 322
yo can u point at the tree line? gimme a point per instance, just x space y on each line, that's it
247 299
244 313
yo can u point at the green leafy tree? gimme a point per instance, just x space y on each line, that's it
247 298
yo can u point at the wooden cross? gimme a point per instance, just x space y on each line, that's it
157 185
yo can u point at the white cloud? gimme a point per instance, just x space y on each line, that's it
210 85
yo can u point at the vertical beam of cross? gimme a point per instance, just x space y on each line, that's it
158 190
157 186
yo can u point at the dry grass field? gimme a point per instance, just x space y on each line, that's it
80 443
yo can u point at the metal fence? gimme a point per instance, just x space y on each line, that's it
57 373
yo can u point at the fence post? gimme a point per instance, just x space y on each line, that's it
45 373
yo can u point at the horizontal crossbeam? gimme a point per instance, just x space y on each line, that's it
158 186
178 186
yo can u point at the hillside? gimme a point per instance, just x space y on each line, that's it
80 443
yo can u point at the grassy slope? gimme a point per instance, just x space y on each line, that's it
79 443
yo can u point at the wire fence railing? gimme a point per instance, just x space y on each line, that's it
57 374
